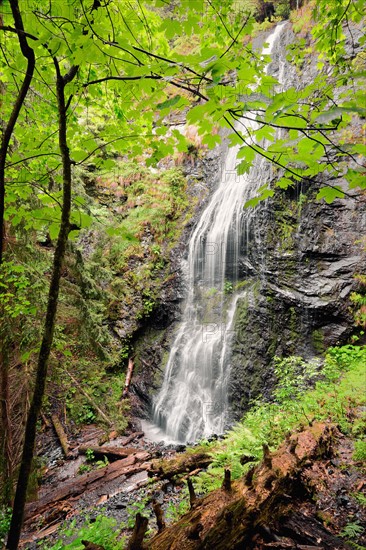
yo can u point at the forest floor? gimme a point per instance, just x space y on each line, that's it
312 503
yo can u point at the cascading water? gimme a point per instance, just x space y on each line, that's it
193 400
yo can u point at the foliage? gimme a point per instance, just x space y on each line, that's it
336 388
228 287
14 290
102 530
142 90
294 376
139 506
352 530
360 497
283 9
104 388
358 300
5 516
175 510
360 450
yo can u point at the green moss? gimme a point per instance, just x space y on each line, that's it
318 341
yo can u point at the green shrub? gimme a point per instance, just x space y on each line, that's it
304 394
283 9
5 517
360 450
103 531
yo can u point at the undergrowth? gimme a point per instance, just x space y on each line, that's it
305 392
101 530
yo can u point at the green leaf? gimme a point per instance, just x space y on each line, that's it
329 194
211 140
169 102
53 230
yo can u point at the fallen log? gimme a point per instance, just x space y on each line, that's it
307 531
74 488
179 464
61 434
236 518
112 453
135 435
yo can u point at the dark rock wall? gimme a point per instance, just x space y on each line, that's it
300 265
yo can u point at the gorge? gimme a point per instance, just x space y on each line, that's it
182 274
261 282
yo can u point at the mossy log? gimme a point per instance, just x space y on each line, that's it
233 519
112 453
61 434
179 464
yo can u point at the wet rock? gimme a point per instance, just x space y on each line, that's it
298 260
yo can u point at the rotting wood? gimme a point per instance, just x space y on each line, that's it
91 546
137 537
129 373
232 519
45 420
61 434
90 399
226 484
72 489
192 494
112 453
307 531
159 514
182 464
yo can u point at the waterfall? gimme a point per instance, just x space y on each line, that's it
193 399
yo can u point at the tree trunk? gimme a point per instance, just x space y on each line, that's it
41 376
28 53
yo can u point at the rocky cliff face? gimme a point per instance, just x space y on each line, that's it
296 274
299 270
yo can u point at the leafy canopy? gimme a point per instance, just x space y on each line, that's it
140 65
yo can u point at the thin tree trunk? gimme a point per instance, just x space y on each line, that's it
28 53
41 376
8 128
